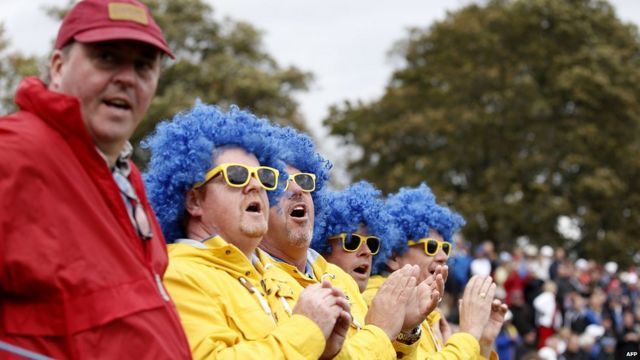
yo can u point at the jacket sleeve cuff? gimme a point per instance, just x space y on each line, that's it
380 345
464 344
404 351
369 342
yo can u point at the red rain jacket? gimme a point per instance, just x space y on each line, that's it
76 281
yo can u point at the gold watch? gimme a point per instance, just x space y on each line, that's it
409 337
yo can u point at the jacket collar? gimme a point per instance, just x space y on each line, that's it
60 111
217 252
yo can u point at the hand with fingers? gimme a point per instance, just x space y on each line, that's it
445 329
388 307
475 305
496 319
340 329
425 298
323 304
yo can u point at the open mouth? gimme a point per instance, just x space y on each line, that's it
118 103
254 207
298 211
362 269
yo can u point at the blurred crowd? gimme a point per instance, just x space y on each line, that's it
560 307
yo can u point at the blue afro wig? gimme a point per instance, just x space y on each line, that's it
298 150
415 211
343 211
182 152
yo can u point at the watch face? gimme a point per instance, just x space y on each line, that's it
409 338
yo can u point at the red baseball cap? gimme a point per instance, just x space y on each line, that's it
104 20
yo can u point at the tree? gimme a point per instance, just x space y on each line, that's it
519 114
13 67
221 63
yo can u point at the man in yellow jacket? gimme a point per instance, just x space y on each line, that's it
209 176
374 331
425 240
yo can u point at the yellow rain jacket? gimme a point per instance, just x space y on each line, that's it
363 341
229 310
460 345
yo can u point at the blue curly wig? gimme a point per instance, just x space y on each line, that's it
344 210
182 152
415 212
299 150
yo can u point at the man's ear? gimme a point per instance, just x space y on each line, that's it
393 264
193 203
55 69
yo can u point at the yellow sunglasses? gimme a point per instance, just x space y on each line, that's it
306 181
352 242
239 175
432 246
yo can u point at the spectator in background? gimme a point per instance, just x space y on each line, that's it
578 317
608 346
629 339
567 285
547 316
528 346
503 269
595 306
607 325
523 314
583 274
558 258
533 283
591 308
490 252
574 350
610 268
481 265
555 344
518 276
507 339
614 311
545 259
460 267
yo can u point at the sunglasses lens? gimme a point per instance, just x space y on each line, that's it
351 242
446 247
268 178
305 181
432 247
374 245
237 175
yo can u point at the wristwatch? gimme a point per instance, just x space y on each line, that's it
409 337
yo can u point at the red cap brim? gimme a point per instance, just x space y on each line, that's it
119 33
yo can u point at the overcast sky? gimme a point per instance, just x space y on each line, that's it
344 43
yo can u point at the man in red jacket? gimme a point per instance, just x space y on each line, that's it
81 253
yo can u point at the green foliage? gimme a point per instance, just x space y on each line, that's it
13 67
516 113
221 63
